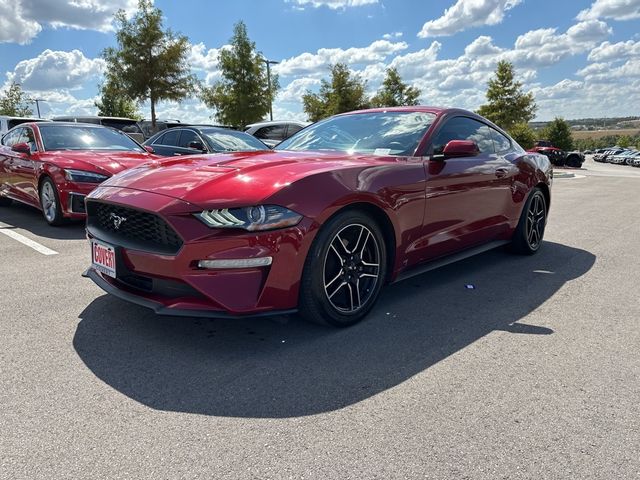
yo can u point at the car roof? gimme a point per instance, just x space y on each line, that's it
62 118
35 119
416 108
73 124
267 123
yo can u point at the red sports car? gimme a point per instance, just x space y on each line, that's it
321 223
53 166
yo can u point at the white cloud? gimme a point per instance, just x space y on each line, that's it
545 47
607 51
392 36
56 70
22 20
13 26
310 63
615 9
332 4
465 14
296 89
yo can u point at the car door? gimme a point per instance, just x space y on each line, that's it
187 138
24 167
167 143
12 179
6 162
463 195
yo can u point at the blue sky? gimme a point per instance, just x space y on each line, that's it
580 58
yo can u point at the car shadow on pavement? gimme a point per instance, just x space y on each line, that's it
286 367
23 216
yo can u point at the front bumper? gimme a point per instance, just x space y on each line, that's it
160 309
172 284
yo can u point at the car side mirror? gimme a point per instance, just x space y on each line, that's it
460 148
196 146
149 149
22 148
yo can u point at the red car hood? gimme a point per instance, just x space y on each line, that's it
108 163
235 178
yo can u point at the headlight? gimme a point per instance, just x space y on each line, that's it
84 177
261 217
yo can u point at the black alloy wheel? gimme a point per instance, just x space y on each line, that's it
344 271
528 236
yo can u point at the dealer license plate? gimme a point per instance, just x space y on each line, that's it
103 258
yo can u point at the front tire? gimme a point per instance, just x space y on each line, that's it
344 271
50 203
527 238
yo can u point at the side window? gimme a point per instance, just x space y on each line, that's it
169 138
272 132
11 138
27 137
188 136
463 128
502 143
293 129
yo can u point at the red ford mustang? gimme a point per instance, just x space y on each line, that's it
319 225
53 166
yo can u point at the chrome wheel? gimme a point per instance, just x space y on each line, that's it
536 219
351 270
48 201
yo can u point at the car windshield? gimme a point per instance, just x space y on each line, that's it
86 137
232 141
378 133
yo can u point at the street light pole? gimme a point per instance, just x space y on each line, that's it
269 63
37 102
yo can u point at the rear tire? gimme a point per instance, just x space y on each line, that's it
528 236
50 203
344 271
574 161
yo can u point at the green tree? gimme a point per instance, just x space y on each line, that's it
523 134
149 63
394 92
558 132
242 96
114 102
506 103
624 141
344 93
15 102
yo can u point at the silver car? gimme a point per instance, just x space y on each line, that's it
273 132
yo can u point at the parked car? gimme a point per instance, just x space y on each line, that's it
602 156
194 140
274 132
618 158
7 122
148 131
635 162
630 158
126 125
322 222
53 166
623 158
557 156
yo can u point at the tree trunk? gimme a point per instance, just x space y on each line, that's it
153 114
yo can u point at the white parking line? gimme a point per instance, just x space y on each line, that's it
7 230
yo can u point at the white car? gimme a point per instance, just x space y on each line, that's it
7 123
273 132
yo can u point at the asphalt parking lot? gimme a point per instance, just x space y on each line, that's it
534 373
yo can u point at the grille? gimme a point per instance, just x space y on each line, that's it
136 229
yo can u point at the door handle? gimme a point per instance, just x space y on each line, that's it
501 172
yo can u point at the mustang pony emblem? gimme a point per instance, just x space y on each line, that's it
117 220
